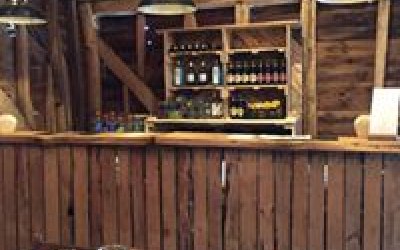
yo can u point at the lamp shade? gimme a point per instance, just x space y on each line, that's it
345 1
166 7
20 14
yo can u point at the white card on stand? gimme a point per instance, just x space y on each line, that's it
384 119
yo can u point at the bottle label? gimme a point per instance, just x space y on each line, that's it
190 78
276 77
230 79
215 76
253 78
245 78
178 77
260 78
203 77
238 78
267 78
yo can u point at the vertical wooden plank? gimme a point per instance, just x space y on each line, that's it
382 37
266 202
300 202
109 195
66 202
200 199
81 196
153 200
168 180
248 199
335 215
214 199
2 206
184 226
96 228
24 200
139 226
242 13
10 194
391 212
232 193
317 202
36 170
283 175
353 202
124 195
309 24
51 195
141 45
189 20
372 201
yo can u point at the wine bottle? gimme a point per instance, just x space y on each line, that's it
191 74
238 73
178 73
229 76
253 72
275 75
246 73
216 73
283 74
260 72
203 74
267 73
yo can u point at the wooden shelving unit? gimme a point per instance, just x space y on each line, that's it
249 38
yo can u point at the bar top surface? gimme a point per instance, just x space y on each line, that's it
202 140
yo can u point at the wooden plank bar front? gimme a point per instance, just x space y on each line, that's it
192 191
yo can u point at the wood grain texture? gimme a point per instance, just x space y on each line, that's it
124 197
95 200
51 195
382 36
391 222
300 206
336 202
2 204
153 200
283 176
169 199
214 199
107 161
317 202
248 199
200 239
24 199
10 197
81 196
372 201
66 197
138 197
232 193
353 199
267 207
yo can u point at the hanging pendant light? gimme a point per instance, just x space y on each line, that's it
20 14
167 7
345 1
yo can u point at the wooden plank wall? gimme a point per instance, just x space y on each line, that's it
393 63
176 198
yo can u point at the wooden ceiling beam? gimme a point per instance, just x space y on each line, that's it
125 6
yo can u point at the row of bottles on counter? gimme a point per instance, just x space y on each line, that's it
196 71
192 107
194 46
113 123
254 70
249 108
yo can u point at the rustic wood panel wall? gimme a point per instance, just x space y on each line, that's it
393 63
175 198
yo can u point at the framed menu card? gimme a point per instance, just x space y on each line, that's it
384 119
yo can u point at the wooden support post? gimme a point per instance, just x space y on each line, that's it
24 100
92 60
242 13
382 35
189 20
76 62
309 16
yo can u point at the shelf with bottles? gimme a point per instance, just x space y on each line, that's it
112 122
189 105
257 105
257 50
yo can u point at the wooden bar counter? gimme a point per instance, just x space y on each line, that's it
198 191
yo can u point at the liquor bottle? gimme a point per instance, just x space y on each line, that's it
241 107
203 78
216 106
191 74
282 72
197 46
238 73
204 46
230 77
245 73
260 72
216 73
233 109
121 125
189 47
97 125
267 73
182 48
112 122
254 72
275 74
178 73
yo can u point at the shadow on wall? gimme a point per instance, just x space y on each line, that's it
7 106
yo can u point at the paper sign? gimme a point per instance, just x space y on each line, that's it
384 118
